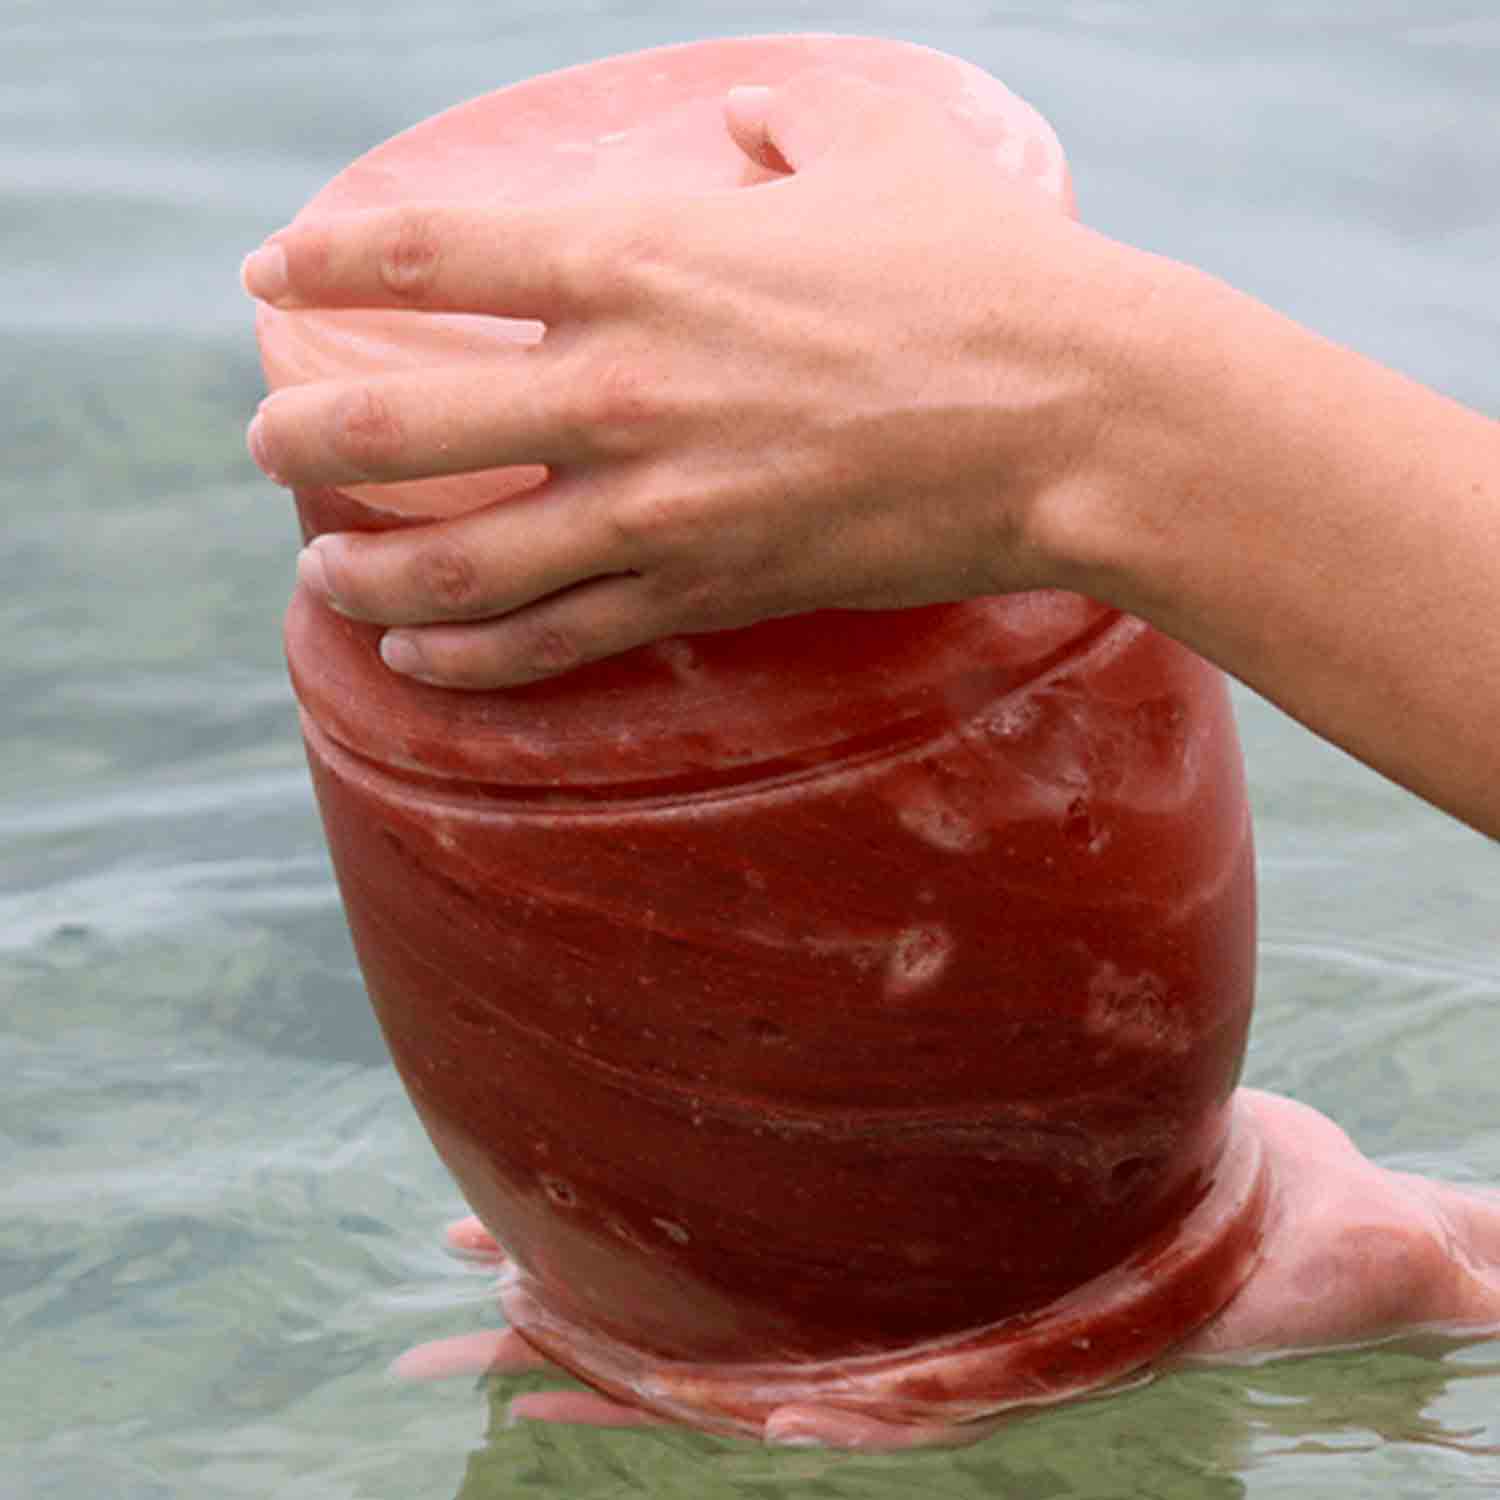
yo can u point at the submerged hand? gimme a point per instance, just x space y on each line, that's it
852 387
503 1351
1353 1254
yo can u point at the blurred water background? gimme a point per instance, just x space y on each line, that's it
218 1218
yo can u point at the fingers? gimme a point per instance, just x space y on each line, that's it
829 1427
557 635
490 1352
469 567
506 1353
493 599
569 258
540 261
525 407
471 1240
581 1408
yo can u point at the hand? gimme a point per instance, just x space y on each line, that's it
852 387
1353 1254
504 1351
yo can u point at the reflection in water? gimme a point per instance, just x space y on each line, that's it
1407 1394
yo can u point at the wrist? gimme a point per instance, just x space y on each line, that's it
1110 523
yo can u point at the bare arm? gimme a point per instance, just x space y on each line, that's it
1321 527
890 380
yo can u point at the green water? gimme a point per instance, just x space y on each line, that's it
218 1218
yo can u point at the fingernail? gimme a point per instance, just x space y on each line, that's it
255 441
794 1440
789 1433
263 273
400 653
311 571
752 95
515 1417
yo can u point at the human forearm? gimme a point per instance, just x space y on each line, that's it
1321 527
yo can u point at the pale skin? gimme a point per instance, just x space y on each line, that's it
890 379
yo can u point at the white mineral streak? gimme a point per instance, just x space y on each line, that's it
924 811
917 960
681 658
1133 1011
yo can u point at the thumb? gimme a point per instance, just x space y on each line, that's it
811 115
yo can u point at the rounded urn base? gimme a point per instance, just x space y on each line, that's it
1105 1332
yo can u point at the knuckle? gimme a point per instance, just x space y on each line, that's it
643 526
577 270
615 404
547 649
366 431
638 252
447 578
703 599
621 257
410 254
621 400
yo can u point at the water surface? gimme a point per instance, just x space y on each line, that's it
219 1220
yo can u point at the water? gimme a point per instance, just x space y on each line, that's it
219 1221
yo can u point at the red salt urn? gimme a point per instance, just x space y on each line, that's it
847 1008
